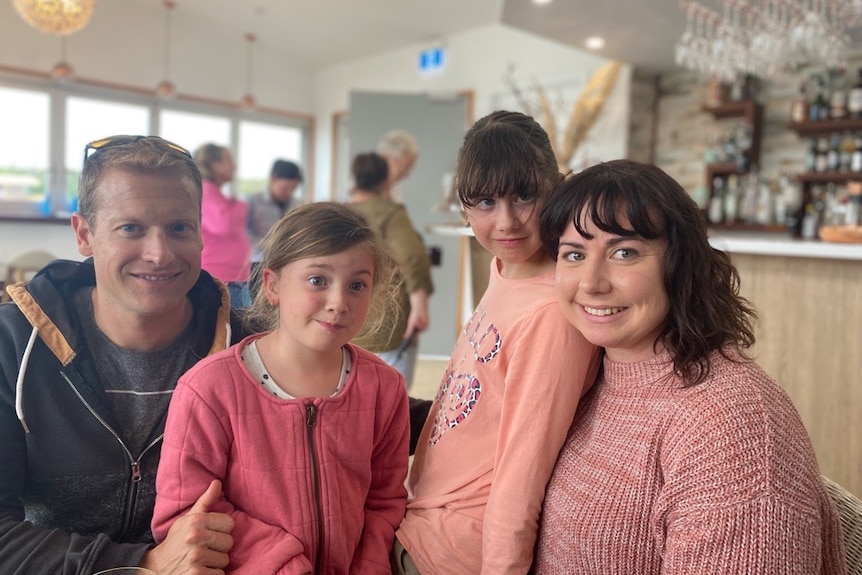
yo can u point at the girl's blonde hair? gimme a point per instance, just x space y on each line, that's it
323 229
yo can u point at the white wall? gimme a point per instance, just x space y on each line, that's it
124 44
478 61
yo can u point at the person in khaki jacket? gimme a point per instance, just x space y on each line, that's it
370 197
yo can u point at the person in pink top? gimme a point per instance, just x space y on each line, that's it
685 456
306 434
513 381
227 248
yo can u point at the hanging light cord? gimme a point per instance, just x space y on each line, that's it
249 65
169 6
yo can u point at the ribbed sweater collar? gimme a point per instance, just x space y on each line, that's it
655 372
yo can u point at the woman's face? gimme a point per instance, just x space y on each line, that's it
223 169
611 289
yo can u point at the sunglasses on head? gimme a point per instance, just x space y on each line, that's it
110 141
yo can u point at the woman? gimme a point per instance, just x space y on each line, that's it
685 457
389 220
227 249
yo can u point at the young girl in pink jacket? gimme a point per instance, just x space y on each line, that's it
307 433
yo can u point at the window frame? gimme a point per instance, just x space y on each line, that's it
59 92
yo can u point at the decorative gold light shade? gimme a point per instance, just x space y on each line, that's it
60 17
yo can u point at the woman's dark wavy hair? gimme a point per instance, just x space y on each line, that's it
505 154
706 311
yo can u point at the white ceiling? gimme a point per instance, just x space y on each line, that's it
324 32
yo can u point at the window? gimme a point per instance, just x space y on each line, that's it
46 126
191 130
88 119
24 151
259 146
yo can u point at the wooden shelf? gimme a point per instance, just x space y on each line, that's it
825 127
752 113
742 227
742 109
826 177
722 169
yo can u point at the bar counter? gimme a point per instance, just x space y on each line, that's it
808 297
771 244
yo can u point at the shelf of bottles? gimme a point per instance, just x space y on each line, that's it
831 119
735 197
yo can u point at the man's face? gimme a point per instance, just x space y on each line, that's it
281 189
145 242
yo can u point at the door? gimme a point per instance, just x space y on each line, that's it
438 124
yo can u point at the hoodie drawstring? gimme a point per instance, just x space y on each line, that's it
19 383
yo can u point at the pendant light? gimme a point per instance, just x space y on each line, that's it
248 102
59 17
63 71
166 88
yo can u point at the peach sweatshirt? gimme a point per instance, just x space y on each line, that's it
490 441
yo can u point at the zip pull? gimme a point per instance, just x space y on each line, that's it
136 472
310 415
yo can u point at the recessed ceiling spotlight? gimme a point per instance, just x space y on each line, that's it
595 43
542 1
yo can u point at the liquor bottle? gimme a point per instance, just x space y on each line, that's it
811 155
848 145
731 200
833 154
748 199
818 110
822 151
856 158
716 202
799 109
854 99
715 92
838 100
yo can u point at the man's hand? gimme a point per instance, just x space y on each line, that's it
197 543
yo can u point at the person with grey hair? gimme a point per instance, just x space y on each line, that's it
90 353
400 149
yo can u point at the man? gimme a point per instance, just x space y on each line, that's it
267 207
89 355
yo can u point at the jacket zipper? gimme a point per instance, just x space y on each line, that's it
135 463
310 422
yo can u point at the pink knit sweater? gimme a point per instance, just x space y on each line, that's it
656 479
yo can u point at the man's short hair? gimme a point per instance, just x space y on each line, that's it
144 155
285 170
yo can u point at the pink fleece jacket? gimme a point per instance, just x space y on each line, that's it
227 249
313 485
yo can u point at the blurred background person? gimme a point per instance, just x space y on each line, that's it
400 149
268 206
389 220
227 249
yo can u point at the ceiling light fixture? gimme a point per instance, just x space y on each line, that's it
248 102
60 17
166 88
595 43
542 1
